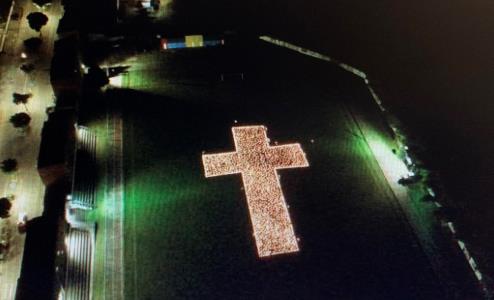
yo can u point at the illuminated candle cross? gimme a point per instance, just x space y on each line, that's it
258 162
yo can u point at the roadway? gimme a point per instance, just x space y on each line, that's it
25 183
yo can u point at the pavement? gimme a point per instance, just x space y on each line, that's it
114 199
25 184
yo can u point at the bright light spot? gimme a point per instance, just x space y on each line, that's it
116 81
23 55
66 242
71 245
146 3
193 41
461 244
451 228
79 132
478 275
258 163
392 166
68 197
22 217
84 68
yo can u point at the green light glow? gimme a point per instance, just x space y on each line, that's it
393 168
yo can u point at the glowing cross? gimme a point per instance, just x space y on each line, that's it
257 161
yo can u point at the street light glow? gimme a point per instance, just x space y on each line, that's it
116 81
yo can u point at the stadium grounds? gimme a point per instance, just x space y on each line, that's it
187 236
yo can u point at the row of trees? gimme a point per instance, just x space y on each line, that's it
8 166
22 120
36 21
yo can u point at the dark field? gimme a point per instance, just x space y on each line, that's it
190 237
432 63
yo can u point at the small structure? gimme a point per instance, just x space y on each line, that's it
190 41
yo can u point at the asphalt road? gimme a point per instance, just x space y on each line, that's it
25 184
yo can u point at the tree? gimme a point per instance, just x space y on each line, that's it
21 98
28 68
9 165
37 20
20 120
5 207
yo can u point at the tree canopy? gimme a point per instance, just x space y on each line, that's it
5 207
9 165
21 98
37 20
20 120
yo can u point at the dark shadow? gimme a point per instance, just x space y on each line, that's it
39 279
33 44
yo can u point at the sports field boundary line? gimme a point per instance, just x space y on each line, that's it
114 213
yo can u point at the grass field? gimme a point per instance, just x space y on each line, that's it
190 237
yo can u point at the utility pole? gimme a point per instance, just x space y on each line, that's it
2 44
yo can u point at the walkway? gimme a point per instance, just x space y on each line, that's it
114 265
26 184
